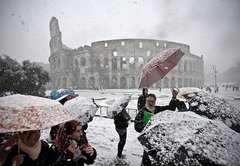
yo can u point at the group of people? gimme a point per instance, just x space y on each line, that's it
70 146
146 105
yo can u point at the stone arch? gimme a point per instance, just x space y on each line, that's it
114 60
105 63
64 82
185 65
131 63
185 82
123 82
159 84
83 61
132 85
76 64
123 63
140 62
59 83
59 63
190 66
165 83
82 83
194 82
190 82
179 66
105 82
92 82
114 82
180 83
173 81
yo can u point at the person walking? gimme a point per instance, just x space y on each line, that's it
121 121
145 114
142 99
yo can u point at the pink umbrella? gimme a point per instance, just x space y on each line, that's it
24 112
159 66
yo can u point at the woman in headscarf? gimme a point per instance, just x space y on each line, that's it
71 146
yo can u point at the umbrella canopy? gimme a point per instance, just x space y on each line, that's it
213 107
159 66
55 94
82 108
185 138
24 112
118 105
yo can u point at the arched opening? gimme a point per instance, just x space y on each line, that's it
185 66
132 85
83 61
83 83
165 83
114 82
123 63
92 83
140 62
185 82
123 82
173 82
180 82
131 63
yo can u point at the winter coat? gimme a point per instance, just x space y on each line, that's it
42 160
66 158
141 101
121 119
138 122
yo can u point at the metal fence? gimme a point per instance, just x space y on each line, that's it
103 111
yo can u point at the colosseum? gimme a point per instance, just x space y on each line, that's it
116 63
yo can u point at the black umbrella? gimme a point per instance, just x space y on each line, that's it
185 138
212 107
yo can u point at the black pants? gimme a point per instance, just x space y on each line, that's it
122 140
145 159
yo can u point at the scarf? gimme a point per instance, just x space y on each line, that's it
33 152
150 109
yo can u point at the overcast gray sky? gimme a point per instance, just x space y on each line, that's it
211 28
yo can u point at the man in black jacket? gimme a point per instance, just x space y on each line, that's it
142 99
148 110
121 123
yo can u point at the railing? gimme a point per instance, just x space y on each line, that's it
103 111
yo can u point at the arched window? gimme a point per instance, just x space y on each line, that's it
131 63
185 66
165 83
123 82
114 82
123 63
83 83
83 61
92 83
180 82
140 62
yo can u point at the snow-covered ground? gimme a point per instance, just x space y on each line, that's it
101 132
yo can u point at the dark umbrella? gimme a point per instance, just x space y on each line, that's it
185 138
159 66
57 93
213 107
118 105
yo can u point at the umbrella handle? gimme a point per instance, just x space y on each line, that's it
18 142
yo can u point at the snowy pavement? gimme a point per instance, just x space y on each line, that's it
101 131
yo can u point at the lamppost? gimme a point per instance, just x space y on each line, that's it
215 78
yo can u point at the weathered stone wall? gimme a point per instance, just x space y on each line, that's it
117 63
